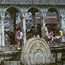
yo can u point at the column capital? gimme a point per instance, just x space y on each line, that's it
26 14
3 15
44 14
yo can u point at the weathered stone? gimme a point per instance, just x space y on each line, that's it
11 62
42 2
36 51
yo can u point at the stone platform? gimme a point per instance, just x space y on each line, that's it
58 53
10 53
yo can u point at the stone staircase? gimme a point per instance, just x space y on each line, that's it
9 53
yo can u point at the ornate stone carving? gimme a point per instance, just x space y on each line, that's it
36 51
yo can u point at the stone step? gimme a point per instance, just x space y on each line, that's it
8 48
4 58
11 63
8 55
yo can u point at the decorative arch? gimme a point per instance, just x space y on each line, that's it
8 14
53 18
17 8
36 18
57 9
36 8
15 22
36 51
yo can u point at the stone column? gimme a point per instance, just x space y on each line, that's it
2 20
26 15
0 33
43 22
63 26
24 29
62 23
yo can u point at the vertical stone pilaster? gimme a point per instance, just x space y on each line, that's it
63 26
2 27
24 26
44 15
26 15
62 21
24 29
0 33
43 22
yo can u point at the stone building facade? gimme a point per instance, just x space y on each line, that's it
28 10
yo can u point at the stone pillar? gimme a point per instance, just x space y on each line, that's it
44 15
62 23
43 22
63 26
0 33
26 15
24 30
2 27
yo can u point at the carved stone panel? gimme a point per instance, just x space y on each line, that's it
36 51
